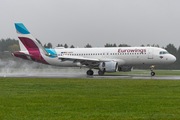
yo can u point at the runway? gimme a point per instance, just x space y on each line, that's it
84 76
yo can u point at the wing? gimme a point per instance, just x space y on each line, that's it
82 60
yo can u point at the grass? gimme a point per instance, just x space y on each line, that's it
44 98
147 72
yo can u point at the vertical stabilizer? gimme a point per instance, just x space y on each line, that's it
29 45
27 41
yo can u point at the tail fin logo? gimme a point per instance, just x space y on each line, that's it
29 44
21 28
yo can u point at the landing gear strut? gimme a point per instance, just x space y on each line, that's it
151 68
90 72
100 72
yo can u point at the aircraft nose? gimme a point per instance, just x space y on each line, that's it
173 58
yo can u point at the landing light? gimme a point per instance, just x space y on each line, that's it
152 66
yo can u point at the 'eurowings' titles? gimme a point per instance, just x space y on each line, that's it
131 50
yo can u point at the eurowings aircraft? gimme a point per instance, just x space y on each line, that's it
110 59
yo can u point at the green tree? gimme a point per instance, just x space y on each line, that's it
148 45
114 45
5 43
49 45
124 45
172 49
13 48
72 46
0 53
108 45
65 45
88 46
154 45
60 45
178 58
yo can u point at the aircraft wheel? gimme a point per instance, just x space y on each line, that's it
100 72
152 73
90 72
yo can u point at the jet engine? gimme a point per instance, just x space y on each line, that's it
124 68
108 66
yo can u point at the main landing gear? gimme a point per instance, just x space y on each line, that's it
151 68
100 72
90 72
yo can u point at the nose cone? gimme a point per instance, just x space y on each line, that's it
172 58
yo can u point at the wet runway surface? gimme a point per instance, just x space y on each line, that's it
84 76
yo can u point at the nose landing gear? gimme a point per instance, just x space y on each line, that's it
151 68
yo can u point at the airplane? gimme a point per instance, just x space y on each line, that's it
111 59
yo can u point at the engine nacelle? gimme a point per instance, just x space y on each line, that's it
108 66
124 68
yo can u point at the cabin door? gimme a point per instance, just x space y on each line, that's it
150 53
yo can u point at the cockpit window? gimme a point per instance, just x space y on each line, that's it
163 52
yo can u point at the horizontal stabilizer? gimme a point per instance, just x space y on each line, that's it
19 53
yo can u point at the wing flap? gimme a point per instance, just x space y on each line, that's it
77 59
93 62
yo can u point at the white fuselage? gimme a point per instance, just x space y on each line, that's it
122 55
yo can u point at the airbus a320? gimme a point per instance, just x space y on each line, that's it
105 59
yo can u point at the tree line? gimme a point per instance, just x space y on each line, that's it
7 46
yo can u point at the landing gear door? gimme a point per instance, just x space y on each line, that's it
150 53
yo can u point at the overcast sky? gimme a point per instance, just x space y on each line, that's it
97 22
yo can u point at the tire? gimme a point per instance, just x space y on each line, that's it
152 73
89 72
100 72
